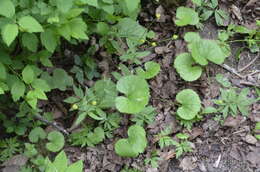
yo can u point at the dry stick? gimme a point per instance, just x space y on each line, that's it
232 70
54 124
249 64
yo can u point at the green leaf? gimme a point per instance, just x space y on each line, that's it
30 41
64 7
41 85
36 134
61 162
29 24
197 2
102 28
186 16
49 40
204 50
190 104
56 141
9 33
93 3
44 56
75 167
7 8
61 79
223 80
78 28
130 29
209 110
132 5
28 74
97 136
152 69
106 93
184 64
135 144
136 90
17 90
2 72
192 37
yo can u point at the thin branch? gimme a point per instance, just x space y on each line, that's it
53 124
249 64
232 70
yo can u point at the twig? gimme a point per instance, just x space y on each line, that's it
54 124
216 164
249 64
232 70
247 83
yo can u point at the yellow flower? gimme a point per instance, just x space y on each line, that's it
153 44
74 107
142 41
158 16
94 103
174 37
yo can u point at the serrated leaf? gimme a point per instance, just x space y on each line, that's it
7 8
136 90
36 134
75 167
132 5
197 2
17 90
106 93
44 56
61 79
135 144
186 16
41 85
30 41
9 33
30 24
64 6
184 64
190 104
28 74
61 162
48 39
78 28
56 141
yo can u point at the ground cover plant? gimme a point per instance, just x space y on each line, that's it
87 78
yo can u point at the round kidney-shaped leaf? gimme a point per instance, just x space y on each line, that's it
186 16
136 92
36 134
56 141
190 104
152 69
135 144
184 66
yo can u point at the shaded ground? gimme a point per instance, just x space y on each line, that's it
217 148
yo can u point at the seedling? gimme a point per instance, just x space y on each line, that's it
164 139
209 8
134 144
87 136
183 146
189 65
231 103
153 160
60 164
